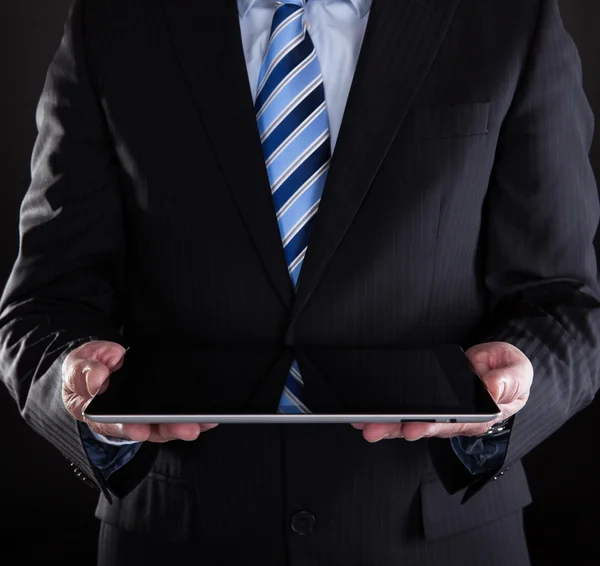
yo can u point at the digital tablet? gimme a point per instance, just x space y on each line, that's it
218 384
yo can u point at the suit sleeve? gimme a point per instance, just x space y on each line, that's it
66 282
540 220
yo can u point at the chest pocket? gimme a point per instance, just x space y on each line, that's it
445 121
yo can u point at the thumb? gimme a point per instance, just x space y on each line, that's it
104 359
502 386
95 375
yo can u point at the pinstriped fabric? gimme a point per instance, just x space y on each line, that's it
294 131
369 501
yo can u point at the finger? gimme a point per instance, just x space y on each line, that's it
104 386
136 431
85 377
158 434
129 431
518 384
149 433
205 427
416 431
186 431
74 403
116 366
480 366
374 432
179 431
96 374
506 385
485 357
358 426
110 354
498 360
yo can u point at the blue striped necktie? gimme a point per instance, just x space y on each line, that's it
294 132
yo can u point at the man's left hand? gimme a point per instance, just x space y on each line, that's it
506 372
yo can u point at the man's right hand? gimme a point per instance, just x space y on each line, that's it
86 371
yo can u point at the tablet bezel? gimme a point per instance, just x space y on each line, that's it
440 415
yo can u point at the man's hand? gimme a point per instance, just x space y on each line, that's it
506 372
86 371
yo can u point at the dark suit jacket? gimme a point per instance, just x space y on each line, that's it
460 208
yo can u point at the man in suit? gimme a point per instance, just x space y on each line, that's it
330 172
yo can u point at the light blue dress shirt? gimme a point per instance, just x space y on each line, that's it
337 29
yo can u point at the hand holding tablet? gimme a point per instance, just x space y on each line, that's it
507 374
86 373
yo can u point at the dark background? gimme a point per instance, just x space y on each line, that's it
42 501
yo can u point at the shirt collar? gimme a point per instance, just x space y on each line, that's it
244 6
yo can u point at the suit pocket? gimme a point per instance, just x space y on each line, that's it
443 514
160 505
446 121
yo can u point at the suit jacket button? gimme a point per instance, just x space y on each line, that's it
303 523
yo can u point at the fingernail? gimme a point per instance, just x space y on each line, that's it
191 439
502 386
386 435
413 439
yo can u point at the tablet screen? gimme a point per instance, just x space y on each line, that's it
219 380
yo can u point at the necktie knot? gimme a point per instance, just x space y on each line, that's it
297 3
289 7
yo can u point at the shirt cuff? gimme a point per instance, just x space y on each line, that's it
112 440
480 455
107 454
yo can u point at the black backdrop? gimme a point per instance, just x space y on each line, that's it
40 499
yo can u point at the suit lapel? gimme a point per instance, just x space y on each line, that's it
400 44
207 41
